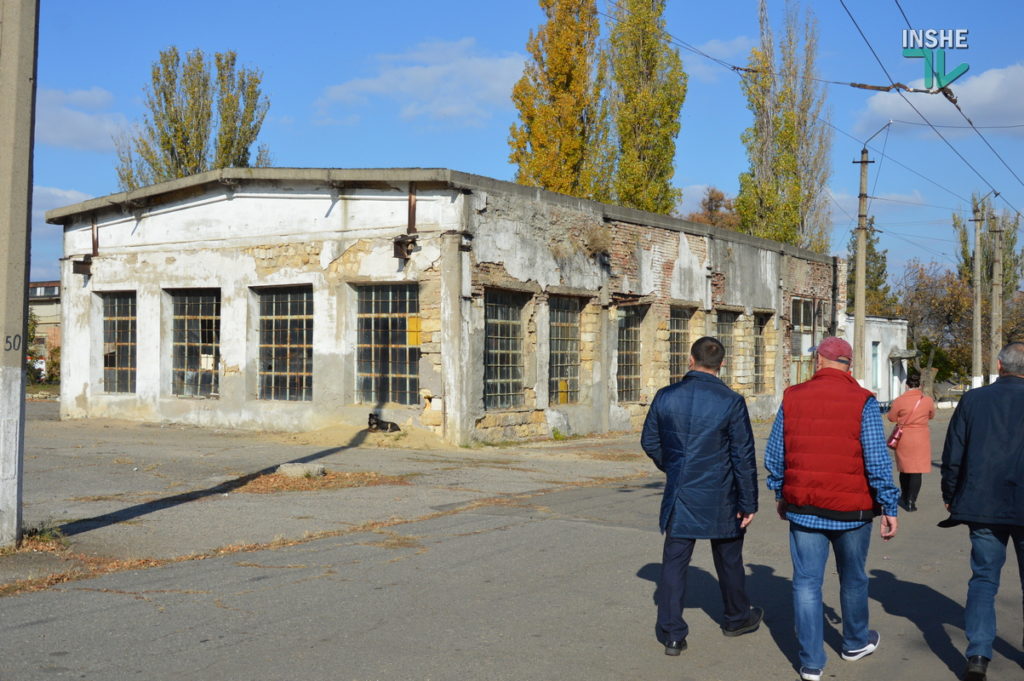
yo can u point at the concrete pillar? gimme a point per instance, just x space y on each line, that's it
18 21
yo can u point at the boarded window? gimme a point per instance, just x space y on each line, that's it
627 373
725 327
286 343
760 351
388 344
119 342
678 343
503 350
564 356
195 339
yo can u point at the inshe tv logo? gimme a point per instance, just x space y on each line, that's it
931 45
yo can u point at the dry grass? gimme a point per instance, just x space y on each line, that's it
275 482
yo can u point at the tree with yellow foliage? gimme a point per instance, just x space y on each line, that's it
561 140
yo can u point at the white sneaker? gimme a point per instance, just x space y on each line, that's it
873 639
809 674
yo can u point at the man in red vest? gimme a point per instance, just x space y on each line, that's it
831 474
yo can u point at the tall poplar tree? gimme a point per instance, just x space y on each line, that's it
561 140
783 194
649 87
195 121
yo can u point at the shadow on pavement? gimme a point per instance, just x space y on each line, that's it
131 512
930 611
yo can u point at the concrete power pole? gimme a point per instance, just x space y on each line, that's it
977 372
18 37
861 271
996 342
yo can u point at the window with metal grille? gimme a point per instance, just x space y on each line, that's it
503 350
760 351
678 343
119 342
388 344
627 373
286 343
726 322
195 341
564 357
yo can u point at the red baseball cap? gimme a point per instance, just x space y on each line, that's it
835 349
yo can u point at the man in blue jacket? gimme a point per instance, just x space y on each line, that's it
698 433
982 479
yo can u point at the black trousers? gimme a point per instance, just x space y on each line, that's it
671 593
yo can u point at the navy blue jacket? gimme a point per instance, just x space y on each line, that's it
698 433
983 459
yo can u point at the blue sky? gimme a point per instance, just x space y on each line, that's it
399 83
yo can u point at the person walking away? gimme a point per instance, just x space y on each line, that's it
982 479
830 471
912 411
698 433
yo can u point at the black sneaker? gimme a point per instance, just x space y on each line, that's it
752 622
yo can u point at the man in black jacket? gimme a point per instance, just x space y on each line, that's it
983 486
698 433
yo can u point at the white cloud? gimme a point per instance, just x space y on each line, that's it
992 98
733 51
47 240
77 119
692 195
440 80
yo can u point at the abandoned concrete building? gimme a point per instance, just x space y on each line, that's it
294 299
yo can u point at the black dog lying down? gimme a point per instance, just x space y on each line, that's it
376 424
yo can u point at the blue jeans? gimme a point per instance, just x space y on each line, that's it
988 553
809 549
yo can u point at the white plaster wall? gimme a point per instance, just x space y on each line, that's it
891 334
253 216
203 247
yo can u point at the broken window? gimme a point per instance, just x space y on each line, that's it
119 342
195 343
388 344
678 343
628 372
726 323
809 323
503 349
286 343
760 351
564 355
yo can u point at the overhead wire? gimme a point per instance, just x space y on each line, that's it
951 99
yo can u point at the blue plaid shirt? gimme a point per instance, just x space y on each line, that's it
876 463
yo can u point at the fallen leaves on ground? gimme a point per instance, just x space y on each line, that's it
275 482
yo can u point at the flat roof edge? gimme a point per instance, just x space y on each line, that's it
453 178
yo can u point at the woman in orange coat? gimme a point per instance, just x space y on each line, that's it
913 409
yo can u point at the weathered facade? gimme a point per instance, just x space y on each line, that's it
480 309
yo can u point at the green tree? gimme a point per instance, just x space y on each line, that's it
783 194
1013 259
561 142
194 122
878 298
648 90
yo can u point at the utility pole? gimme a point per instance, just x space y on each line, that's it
995 227
18 38
976 369
861 271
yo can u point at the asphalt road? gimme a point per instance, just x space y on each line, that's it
559 585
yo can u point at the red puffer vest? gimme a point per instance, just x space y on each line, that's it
825 473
